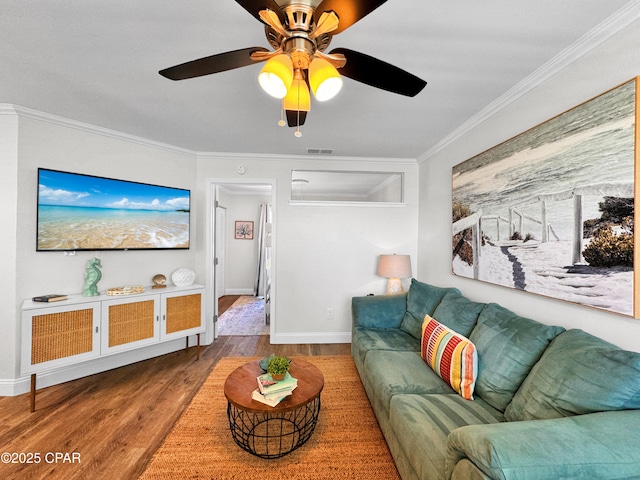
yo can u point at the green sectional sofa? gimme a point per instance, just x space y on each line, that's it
547 404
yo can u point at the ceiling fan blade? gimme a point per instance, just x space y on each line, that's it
349 11
213 64
254 7
376 73
293 120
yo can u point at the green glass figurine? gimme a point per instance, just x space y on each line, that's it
92 276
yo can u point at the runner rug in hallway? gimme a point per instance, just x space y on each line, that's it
244 317
347 442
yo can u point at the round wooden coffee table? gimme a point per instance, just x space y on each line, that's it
271 432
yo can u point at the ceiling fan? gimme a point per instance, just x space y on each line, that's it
299 32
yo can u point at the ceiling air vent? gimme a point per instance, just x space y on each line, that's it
320 151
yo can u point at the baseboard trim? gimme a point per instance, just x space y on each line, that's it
19 386
238 291
319 337
9 387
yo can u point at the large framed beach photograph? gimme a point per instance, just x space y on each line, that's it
551 211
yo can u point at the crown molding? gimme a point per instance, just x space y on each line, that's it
10 109
7 109
302 158
585 44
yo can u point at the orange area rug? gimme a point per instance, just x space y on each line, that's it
346 444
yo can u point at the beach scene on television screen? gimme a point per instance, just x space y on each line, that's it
79 212
551 211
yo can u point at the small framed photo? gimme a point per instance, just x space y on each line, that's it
244 230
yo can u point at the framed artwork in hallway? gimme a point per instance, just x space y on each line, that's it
244 230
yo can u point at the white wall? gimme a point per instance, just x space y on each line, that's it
9 327
612 63
30 140
48 145
323 255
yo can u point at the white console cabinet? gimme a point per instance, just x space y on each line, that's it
83 328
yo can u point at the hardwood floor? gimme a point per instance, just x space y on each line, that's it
114 421
225 302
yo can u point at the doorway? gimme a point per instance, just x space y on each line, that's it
242 315
240 265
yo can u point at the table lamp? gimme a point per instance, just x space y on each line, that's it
394 267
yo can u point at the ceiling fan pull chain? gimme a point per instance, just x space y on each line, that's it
298 133
281 122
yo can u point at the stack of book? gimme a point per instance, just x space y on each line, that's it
272 392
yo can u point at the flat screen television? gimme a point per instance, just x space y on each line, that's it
82 212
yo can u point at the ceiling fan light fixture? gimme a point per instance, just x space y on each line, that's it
276 76
324 79
298 97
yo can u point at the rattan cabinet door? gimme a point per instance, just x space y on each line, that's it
129 322
60 335
182 314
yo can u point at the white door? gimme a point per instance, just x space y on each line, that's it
219 260
221 226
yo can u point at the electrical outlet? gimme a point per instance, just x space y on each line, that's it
330 313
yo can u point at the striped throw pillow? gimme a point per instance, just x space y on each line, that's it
452 356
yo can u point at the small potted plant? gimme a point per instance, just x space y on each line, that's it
278 367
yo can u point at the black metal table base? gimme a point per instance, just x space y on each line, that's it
273 435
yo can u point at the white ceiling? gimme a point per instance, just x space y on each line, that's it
96 61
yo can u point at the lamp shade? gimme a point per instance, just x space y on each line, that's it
394 266
324 79
298 98
276 76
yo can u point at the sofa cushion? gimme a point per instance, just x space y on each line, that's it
508 346
388 373
458 312
452 356
422 423
366 339
422 300
595 446
378 311
578 374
